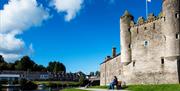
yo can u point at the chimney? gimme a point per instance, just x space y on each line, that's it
113 52
107 57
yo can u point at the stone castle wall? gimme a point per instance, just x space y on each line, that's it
149 66
150 49
109 69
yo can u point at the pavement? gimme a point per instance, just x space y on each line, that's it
97 89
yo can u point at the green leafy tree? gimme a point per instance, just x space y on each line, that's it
1 59
37 67
91 74
97 73
56 67
25 64
3 64
18 65
10 66
81 80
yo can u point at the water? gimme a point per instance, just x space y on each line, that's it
18 89
10 89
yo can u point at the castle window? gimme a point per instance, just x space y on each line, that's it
164 18
145 28
129 45
177 36
145 43
162 61
129 29
177 15
137 31
153 25
133 64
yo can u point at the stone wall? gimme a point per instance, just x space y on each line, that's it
109 69
148 64
150 49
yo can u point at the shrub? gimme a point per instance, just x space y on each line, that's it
27 85
3 81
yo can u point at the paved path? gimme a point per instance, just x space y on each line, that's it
97 89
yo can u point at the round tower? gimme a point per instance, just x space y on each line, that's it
125 37
170 28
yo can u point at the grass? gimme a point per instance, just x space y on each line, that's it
102 87
73 89
55 82
162 87
58 83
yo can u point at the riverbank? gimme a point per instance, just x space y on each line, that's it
58 83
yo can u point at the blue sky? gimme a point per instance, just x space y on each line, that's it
82 42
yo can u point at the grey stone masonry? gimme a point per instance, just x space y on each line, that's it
150 49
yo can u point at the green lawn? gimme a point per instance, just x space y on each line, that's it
162 87
102 87
55 82
73 89
58 83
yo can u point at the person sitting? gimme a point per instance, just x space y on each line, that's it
113 83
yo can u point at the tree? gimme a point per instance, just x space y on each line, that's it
27 63
97 73
91 73
18 65
56 67
37 67
10 66
1 59
24 64
3 64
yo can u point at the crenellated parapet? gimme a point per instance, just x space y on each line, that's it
151 17
142 21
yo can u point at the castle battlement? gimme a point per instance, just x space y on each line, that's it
151 19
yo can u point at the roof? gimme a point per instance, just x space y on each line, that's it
111 58
9 75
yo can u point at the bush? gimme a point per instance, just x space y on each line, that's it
27 85
0 86
15 82
3 81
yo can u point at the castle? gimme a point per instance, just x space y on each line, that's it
150 49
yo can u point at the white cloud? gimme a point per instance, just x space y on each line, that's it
10 57
21 14
9 43
16 17
70 7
